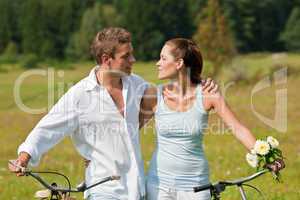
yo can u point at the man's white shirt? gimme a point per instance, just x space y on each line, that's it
100 133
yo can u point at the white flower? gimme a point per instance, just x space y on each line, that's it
272 141
261 147
252 159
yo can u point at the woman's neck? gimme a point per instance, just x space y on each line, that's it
182 86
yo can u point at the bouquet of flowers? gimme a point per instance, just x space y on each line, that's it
264 154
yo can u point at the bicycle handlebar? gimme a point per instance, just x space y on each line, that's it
220 186
80 188
245 179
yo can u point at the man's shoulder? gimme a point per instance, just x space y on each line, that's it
77 89
85 84
136 78
137 83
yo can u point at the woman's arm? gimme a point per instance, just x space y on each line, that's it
148 106
217 102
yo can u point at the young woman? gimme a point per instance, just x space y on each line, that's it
181 111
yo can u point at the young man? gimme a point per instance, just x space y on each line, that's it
101 115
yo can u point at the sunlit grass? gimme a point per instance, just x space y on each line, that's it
226 156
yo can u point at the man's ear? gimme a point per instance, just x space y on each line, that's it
180 64
105 59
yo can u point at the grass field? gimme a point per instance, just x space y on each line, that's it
226 156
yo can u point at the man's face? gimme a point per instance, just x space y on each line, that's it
123 59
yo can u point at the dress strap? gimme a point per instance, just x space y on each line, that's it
159 97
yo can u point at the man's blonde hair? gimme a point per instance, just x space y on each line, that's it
107 41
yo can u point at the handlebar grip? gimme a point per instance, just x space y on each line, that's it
115 178
13 166
203 187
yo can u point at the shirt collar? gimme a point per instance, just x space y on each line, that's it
91 80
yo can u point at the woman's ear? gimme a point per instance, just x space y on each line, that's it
180 64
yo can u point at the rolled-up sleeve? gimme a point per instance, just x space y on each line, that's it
62 120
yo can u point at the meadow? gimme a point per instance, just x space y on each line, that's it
225 154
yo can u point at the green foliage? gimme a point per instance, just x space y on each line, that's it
154 22
46 26
213 36
29 61
175 18
219 148
10 53
9 30
147 40
291 34
32 26
257 25
5 32
55 28
93 20
61 20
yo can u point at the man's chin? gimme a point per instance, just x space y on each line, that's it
128 72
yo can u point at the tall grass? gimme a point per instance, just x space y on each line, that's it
226 156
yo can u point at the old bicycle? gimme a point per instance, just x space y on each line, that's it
53 191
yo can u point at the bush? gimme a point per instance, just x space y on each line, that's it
10 53
57 64
241 72
291 36
30 61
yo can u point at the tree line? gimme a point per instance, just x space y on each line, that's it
64 29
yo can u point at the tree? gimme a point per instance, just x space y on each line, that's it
291 34
60 19
257 25
32 26
9 28
141 19
175 19
10 53
93 20
153 22
213 36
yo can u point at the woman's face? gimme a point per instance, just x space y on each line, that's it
167 65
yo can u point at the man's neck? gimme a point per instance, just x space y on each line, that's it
108 80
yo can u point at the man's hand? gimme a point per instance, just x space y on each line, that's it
86 162
19 164
209 86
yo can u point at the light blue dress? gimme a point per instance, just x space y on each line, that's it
179 161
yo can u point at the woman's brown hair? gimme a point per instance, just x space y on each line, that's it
187 50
